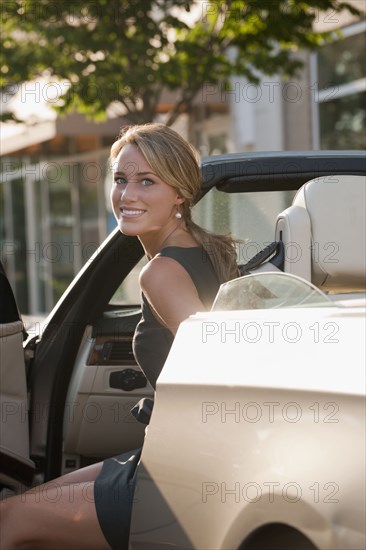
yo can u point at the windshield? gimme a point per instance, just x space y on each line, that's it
271 290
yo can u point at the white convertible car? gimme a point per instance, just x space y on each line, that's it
257 435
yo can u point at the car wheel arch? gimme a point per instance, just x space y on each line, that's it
277 536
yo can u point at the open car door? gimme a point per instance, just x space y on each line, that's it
16 468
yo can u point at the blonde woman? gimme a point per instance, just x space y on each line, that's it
156 178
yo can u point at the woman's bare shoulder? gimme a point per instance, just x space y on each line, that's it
162 270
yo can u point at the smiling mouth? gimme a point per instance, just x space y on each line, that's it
131 213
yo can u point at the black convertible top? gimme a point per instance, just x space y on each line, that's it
276 171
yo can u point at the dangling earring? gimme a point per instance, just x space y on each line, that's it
178 215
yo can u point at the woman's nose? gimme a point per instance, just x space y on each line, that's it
129 192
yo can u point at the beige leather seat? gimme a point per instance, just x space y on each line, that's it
324 233
16 468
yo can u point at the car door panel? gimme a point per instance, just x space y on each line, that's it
106 383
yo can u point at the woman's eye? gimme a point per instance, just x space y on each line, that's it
147 182
120 181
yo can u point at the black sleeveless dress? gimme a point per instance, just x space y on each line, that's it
114 487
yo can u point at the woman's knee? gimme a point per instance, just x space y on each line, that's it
55 515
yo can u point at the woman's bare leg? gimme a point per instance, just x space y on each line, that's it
57 515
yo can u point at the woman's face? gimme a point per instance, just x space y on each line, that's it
142 203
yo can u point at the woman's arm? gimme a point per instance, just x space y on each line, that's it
170 291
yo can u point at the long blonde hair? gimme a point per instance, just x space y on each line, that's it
176 162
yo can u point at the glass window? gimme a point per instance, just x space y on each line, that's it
50 224
342 61
250 217
61 230
91 177
342 92
20 245
2 216
343 122
13 234
40 214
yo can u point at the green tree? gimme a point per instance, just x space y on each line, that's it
129 51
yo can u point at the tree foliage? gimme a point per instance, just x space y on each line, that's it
127 52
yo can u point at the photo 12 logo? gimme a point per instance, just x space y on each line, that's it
252 332
270 491
269 412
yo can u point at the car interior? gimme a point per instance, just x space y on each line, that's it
323 236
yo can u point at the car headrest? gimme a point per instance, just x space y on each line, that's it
327 222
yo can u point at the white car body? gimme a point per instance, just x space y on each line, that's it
274 402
